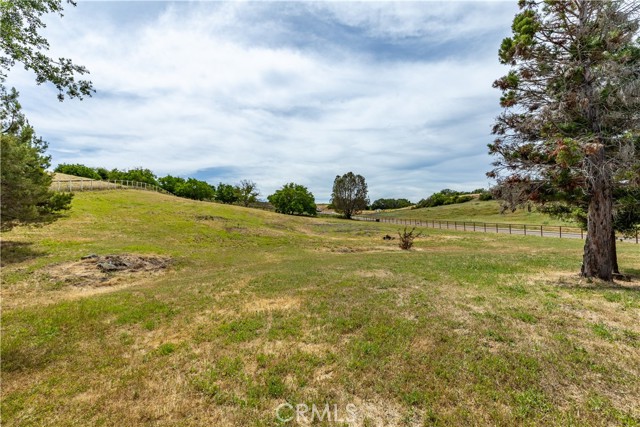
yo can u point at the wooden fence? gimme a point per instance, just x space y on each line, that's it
560 231
70 185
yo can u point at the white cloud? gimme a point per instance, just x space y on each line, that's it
228 86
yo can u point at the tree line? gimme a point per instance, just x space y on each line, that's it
244 193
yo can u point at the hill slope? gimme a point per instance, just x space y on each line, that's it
474 210
258 309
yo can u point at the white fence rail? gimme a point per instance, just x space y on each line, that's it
72 185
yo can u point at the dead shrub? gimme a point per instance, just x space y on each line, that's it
406 239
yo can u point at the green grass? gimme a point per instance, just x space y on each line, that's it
259 309
478 211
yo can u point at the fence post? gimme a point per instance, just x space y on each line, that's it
496 227
636 236
541 232
525 229
474 226
582 234
509 228
464 225
561 232
69 185
485 227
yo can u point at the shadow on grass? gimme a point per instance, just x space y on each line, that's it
15 252
629 281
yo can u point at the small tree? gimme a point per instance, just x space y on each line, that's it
25 196
226 193
294 199
349 195
247 192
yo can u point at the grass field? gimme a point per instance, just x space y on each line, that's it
474 210
259 309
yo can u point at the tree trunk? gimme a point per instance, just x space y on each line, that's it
599 248
614 254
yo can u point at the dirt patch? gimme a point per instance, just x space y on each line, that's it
96 270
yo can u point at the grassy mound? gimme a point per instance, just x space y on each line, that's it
258 309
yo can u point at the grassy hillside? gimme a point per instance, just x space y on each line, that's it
487 211
258 309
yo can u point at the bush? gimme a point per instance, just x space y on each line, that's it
406 239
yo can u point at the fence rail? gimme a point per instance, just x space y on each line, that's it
70 185
559 231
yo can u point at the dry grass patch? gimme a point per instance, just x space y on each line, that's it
271 304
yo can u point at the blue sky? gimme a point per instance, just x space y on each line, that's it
278 92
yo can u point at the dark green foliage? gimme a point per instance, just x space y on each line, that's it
170 183
20 22
78 170
294 199
485 195
226 193
390 204
349 194
444 197
25 196
195 189
138 174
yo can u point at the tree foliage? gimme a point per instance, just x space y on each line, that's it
569 133
195 189
294 199
77 169
444 197
20 41
349 194
390 204
25 196
226 193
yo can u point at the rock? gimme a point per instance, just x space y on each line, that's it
107 266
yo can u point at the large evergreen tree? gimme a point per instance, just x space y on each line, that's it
570 131
25 197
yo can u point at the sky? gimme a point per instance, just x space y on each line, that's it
278 92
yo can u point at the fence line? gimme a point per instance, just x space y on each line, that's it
560 231
70 185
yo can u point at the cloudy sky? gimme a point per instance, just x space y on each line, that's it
277 92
